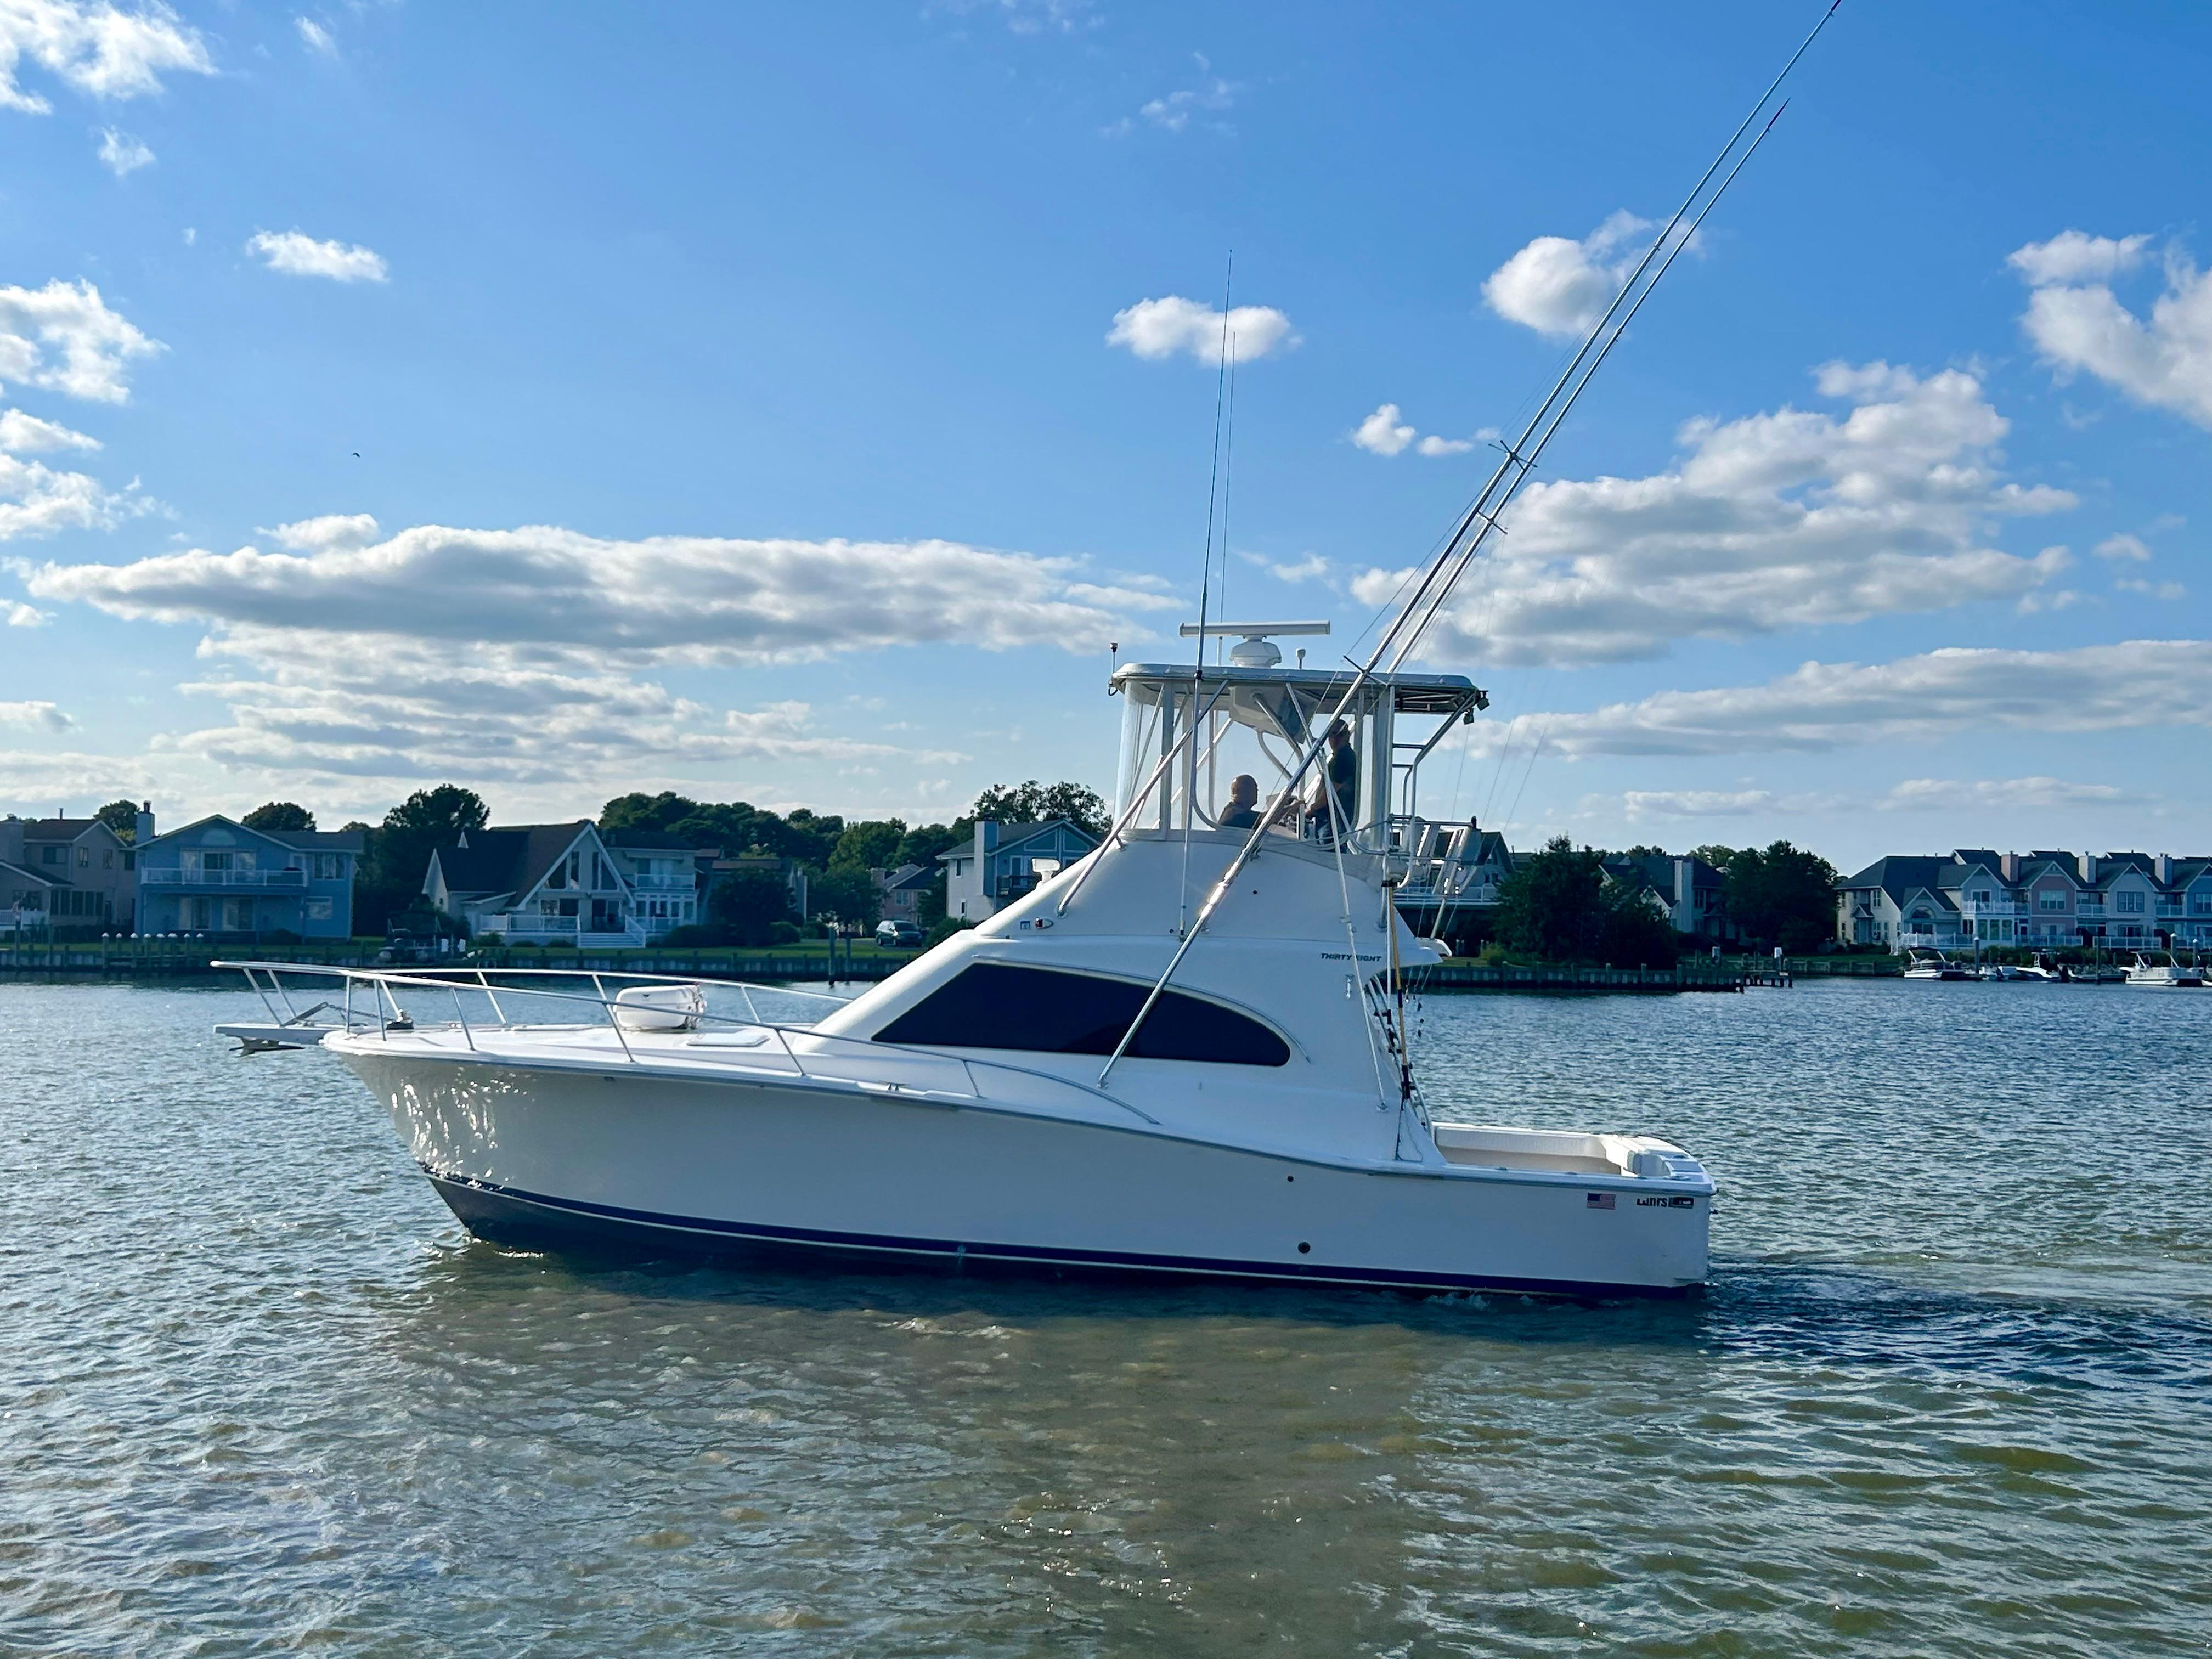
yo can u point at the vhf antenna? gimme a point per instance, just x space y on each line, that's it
1475 526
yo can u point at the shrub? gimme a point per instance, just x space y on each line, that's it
783 933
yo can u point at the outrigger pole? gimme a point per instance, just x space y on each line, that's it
1427 600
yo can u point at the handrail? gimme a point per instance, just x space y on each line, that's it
383 980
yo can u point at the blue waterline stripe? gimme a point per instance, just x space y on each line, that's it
1044 1255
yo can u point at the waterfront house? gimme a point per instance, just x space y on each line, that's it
1001 862
1684 889
216 876
665 874
536 884
73 874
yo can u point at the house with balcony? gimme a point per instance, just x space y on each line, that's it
1001 862
667 876
537 883
69 874
216 876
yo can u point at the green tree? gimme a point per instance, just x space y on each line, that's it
870 845
1559 905
121 817
847 894
1715 854
279 815
747 905
1035 803
398 852
1782 896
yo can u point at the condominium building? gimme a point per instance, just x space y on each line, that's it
1976 897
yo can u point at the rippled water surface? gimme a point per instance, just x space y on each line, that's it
1950 1393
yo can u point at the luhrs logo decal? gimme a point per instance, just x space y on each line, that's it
1682 1202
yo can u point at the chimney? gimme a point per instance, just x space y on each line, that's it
2008 865
142 830
2086 863
987 835
2161 866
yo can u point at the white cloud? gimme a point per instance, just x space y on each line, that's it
1383 433
97 49
37 501
1561 288
27 434
121 154
543 597
1312 568
294 253
1788 519
1639 804
2156 590
2037 793
34 716
1027 16
16 614
1386 432
63 338
2074 256
2121 547
1172 112
1163 328
2079 324
1940 694
315 37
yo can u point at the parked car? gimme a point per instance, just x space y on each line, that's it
899 935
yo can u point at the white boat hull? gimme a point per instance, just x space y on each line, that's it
720 1167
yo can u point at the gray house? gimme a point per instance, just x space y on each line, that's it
536 884
1001 862
72 873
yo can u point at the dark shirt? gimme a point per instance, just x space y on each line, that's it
1242 818
1344 779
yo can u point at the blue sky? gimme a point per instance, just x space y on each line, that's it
790 403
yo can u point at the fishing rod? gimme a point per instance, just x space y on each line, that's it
1443 575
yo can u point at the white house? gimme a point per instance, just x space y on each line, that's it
537 883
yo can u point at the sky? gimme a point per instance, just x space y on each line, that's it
801 404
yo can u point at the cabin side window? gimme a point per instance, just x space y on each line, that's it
1049 1011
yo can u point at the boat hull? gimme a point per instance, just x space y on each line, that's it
718 1168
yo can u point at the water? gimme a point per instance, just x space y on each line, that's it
1950 1392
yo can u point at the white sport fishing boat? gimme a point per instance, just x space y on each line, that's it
988 1103
1188 1054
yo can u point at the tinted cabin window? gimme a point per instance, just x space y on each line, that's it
1046 1011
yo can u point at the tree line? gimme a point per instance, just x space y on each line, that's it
1563 904
752 908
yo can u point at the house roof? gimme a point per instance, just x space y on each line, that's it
908 876
1902 878
511 859
18 872
58 829
321 841
646 841
1028 832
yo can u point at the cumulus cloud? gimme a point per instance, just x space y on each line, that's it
546 596
295 253
2121 547
121 154
1386 432
27 434
16 614
1174 325
1312 568
2081 326
98 49
35 499
2074 256
34 716
2156 590
1788 519
1940 694
1561 288
315 37
63 338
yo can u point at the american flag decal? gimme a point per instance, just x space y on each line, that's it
1597 1200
